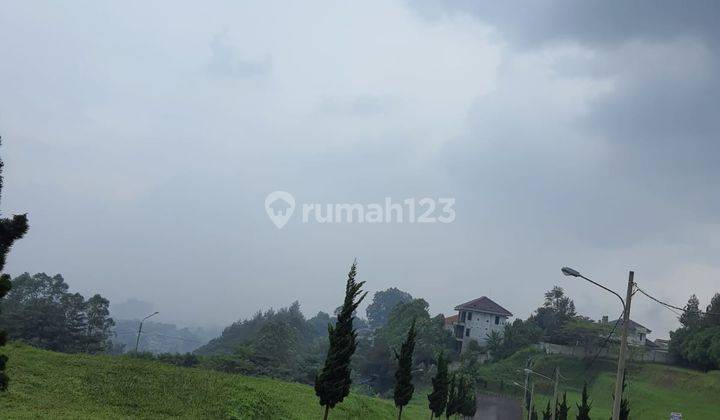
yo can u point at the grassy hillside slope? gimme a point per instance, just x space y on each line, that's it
655 390
53 385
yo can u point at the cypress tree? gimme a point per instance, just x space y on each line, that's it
403 377
11 230
468 403
547 413
452 402
624 402
460 395
585 405
562 409
332 385
438 397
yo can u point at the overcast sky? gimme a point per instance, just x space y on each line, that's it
143 137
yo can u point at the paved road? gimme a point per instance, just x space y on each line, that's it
493 407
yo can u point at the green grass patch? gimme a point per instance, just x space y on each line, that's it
655 390
53 385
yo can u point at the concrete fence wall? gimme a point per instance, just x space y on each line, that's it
635 353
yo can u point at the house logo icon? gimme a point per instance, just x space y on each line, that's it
279 206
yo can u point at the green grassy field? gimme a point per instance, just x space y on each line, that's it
60 386
655 390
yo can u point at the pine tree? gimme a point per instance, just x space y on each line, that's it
438 397
468 403
460 395
332 385
691 316
585 405
10 231
403 376
452 401
624 402
547 413
562 409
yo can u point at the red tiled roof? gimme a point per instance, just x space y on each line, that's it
484 304
449 320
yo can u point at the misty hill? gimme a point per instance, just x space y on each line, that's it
53 385
300 331
159 337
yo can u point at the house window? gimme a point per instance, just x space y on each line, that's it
469 316
462 316
467 332
497 320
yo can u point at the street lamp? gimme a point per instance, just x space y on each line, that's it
574 273
532 395
137 342
623 336
555 382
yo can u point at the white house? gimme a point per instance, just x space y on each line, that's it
476 320
637 334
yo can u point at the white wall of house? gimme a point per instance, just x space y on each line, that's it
478 325
637 336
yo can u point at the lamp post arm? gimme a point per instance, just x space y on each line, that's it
609 290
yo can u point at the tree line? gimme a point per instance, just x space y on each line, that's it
697 342
41 311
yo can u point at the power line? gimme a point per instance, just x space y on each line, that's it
607 339
669 306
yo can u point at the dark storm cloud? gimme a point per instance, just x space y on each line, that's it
594 22
655 127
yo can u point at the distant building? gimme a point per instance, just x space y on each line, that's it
637 334
475 321
662 344
450 322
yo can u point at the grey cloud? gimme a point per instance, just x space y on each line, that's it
365 105
227 61
594 22
145 179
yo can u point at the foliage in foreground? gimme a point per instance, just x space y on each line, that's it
77 386
438 398
332 385
403 376
10 231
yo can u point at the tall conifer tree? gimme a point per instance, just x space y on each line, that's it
11 230
332 385
562 408
403 377
624 402
452 402
584 406
438 397
547 413
468 404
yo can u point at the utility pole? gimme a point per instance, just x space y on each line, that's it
532 397
623 348
137 342
527 378
555 390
